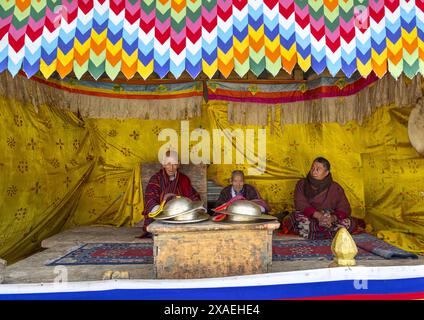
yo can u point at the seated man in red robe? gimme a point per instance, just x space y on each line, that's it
321 205
167 183
240 190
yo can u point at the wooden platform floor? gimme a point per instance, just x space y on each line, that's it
34 270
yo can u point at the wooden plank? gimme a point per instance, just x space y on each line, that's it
34 270
97 234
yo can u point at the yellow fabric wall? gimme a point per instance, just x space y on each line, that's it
59 172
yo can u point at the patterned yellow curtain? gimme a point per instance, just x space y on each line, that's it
58 171
46 159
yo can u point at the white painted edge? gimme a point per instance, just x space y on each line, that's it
279 278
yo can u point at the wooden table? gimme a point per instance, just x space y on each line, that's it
209 249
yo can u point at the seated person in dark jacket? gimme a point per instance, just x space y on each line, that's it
241 190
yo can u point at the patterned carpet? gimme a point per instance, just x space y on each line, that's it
369 247
108 253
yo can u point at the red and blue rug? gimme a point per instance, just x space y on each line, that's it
369 248
108 253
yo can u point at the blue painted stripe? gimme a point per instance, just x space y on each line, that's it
283 291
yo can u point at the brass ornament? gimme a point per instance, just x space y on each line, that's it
344 249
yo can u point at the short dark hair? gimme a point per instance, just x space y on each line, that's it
237 173
324 162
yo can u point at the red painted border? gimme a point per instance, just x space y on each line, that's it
389 296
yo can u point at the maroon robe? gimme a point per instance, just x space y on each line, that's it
159 185
249 192
332 200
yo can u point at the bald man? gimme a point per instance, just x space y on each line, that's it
167 183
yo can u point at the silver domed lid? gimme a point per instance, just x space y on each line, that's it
245 211
178 206
197 215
